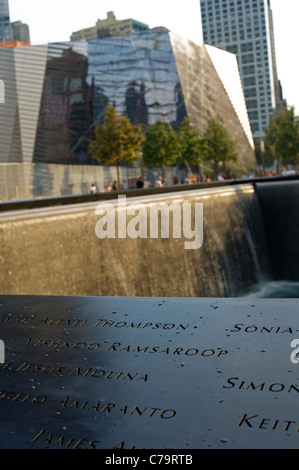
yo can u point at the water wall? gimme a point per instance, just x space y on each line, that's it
55 250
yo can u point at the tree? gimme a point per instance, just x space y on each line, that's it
116 141
263 157
191 144
219 148
282 137
161 145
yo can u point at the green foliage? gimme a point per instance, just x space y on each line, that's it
282 137
116 141
191 144
219 148
161 145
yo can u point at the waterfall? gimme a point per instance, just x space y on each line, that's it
56 251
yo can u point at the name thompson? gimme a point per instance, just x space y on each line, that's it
152 220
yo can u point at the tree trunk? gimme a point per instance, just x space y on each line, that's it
263 163
118 175
277 166
216 169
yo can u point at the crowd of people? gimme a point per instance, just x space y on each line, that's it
161 182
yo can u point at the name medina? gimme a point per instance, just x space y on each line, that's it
139 220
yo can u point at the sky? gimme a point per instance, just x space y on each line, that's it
55 20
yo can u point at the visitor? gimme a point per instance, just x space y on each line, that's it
286 172
92 189
159 183
114 186
140 183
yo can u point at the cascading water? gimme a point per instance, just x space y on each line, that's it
277 290
56 251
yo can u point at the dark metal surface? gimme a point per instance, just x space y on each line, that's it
92 372
280 213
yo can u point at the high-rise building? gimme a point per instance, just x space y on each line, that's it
20 32
12 34
5 27
245 28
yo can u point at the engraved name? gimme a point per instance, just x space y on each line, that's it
261 329
68 402
13 319
101 323
119 347
44 321
63 321
65 442
22 397
94 372
238 384
108 375
49 439
153 326
255 421
171 351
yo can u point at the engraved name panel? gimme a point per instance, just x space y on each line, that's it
111 373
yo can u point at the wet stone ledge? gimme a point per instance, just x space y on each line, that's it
153 373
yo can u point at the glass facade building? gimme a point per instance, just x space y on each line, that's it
5 28
57 93
245 28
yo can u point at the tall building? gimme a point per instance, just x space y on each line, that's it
245 28
110 27
12 34
20 32
5 27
